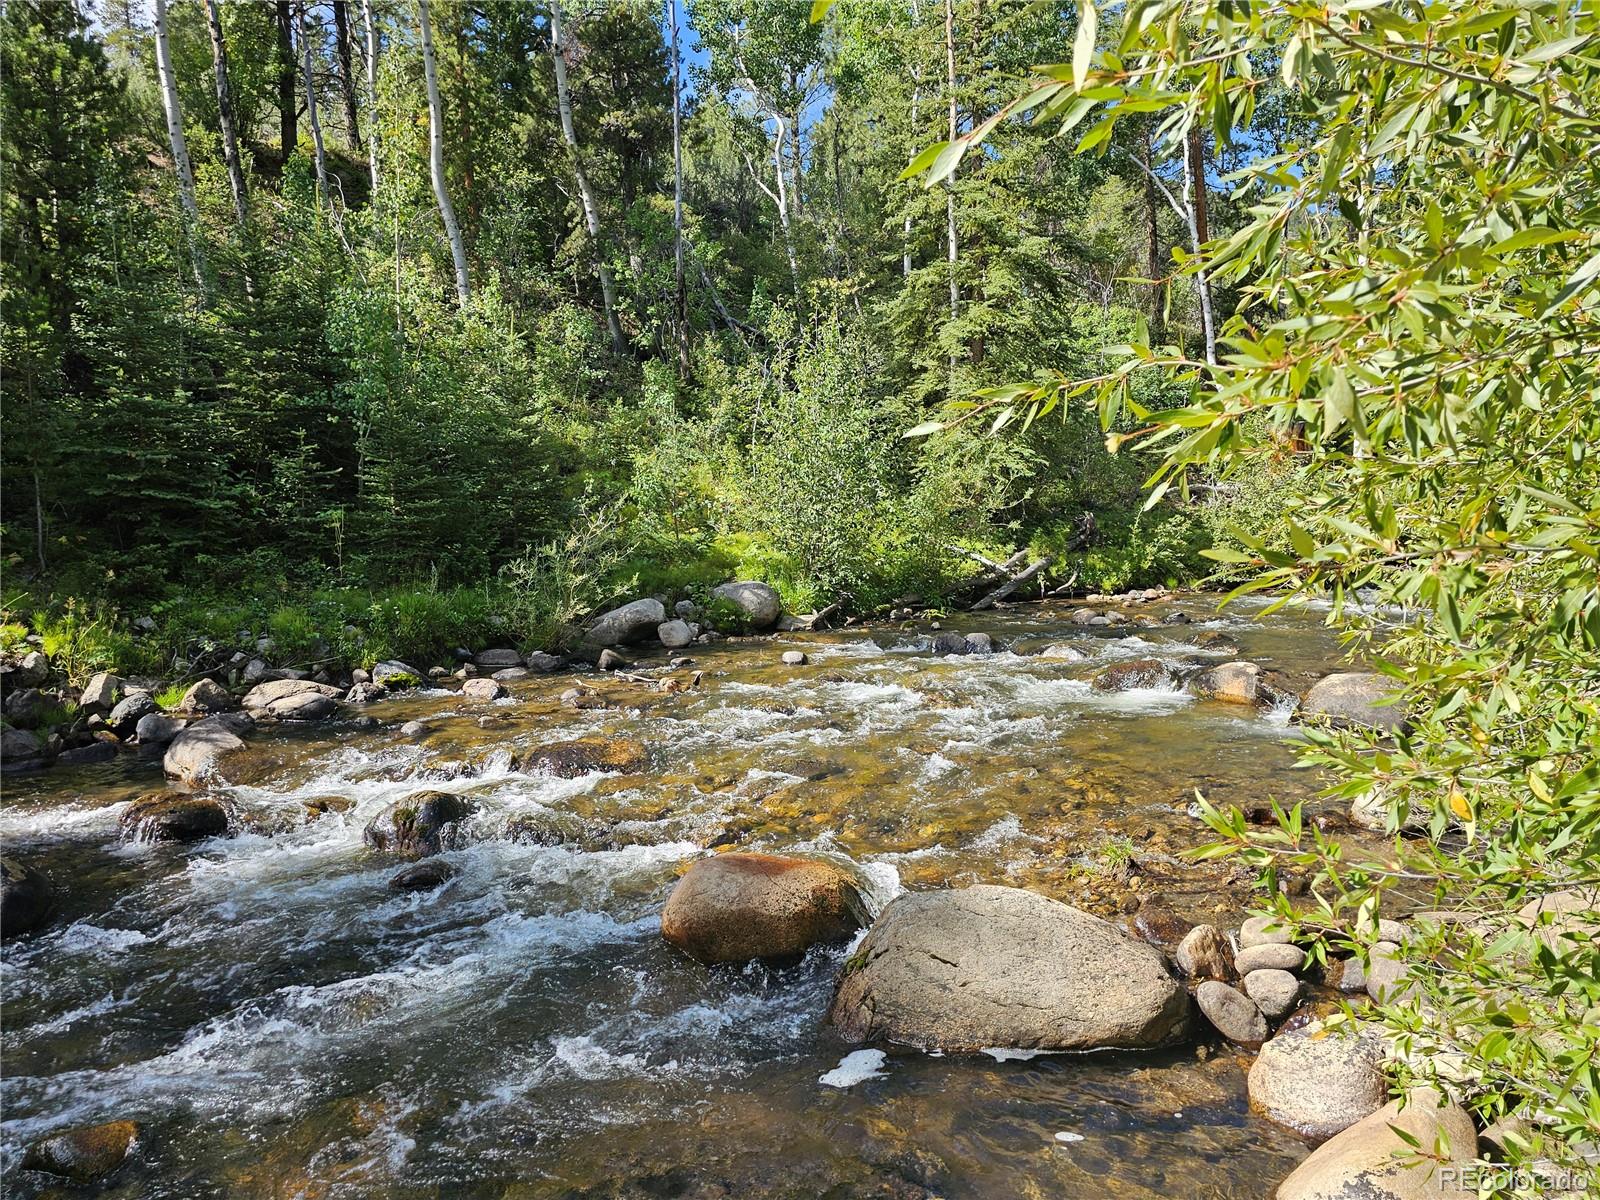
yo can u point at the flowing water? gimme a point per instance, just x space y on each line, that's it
282 1024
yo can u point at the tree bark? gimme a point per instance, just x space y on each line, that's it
1152 230
680 299
372 91
916 97
180 151
952 246
1194 173
288 113
783 204
591 208
447 213
311 112
347 81
230 141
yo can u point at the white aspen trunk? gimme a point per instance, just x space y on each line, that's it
230 141
952 248
311 111
447 213
1194 181
591 208
372 91
916 97
783 205
680 305
180 150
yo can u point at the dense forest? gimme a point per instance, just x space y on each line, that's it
314 308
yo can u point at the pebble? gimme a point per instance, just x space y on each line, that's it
1272 956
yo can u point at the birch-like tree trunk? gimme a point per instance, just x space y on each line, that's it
288 114
441 193
180 151
347 80
916 134
586 196
680 297
372 91
230 141
1194 178
783 204
311 111
952 246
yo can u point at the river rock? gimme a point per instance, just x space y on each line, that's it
201 748
395 675
1205 954
1158 923
33 670
610 660
207 696
1554 916
1317 1080
1276 956
951 643
25 707
1139 673
794 658
541 663
1275 992
422 876
736 907
304 706
102 749
363 693
157 729
83 1155
174 817
102 693
1236 683
570 760
266 695
980 643
19 748
1264 930
423 823
631 623
130 709
998 966
761 604
1232 1014
1062 652
1370 1161
1386 975
1353 699
1349 975
1216 639
677 633
25 898
494 660
483 689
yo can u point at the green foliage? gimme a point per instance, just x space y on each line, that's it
1131 549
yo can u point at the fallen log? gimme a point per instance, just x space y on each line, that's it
1012 584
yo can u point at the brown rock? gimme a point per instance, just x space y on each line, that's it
1370 1161
422 824
1205 954
738 907
174 817
1319 1080
1140 673
569 760
83 1155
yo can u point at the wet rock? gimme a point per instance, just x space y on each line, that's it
1157 923
738 907
569 760
541 663
676 634
951 643
422 876
1215 639
25 898
610 660
130 709
395 675
1062 652
483 689
97 751
157 729
304 706
268 695
1277 956
1231 1013
174 817
363 693
1264 931
1139 673
630 623
1082 616
200 750
494 660
321 806
207 696
1205 954
980 643
794 658
83 1155
1348 975
999 966
580 699
415 730
761 604
1371 1161
422 824
1275 992
1354 699
1234 683
1319 1080
1176 617
101 694
18 748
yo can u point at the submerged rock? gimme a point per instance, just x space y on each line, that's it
569 760
1355 699
83 1155
422 824
999 966
1140 673
630 623
174 817
760 602
1371 1161
1215 639
1317 1080
1232 1013
1158 923
422 876
738 907
25 898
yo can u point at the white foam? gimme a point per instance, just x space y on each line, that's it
856 1067
1012 1053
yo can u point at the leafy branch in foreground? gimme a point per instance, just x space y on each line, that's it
1419 273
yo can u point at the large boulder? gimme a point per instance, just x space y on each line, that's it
101 694
200 749
126 716
1139 673
83 1155
396 675
1354 698
998 966
1371 1161
1319 1080
269 696
207 696
760 603
495 660
422 824
583 756
157 729
1239 683
25 897
632 622
677 633
738 907
174 817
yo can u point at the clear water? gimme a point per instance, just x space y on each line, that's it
282 1024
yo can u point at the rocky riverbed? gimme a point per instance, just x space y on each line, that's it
409 943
